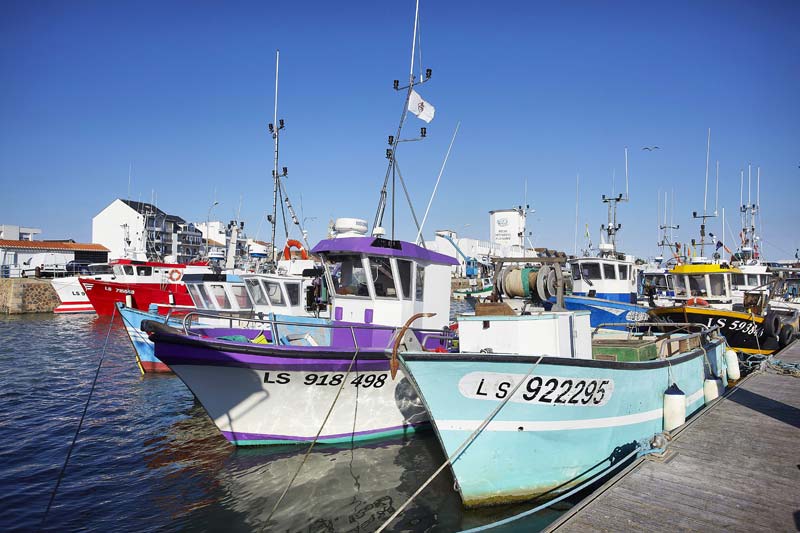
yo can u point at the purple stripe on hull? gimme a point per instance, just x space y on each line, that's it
239 436
177 354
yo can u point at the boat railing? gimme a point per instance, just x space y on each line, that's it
667 342
274 324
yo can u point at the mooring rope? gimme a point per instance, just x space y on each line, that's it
461 448
80 423
319 432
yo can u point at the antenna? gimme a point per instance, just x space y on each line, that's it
705 215
130 169
716 193
626 174
441 171
577 196
708 154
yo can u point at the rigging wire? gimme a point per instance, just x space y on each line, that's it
80 423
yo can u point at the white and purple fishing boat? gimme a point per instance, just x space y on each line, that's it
532 405
294 382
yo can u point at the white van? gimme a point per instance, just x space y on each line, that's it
49 264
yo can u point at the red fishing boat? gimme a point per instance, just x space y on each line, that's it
139 284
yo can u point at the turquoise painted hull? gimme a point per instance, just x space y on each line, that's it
142 345
537 449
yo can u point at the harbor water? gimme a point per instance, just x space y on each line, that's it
148 457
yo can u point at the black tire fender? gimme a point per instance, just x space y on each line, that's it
786 335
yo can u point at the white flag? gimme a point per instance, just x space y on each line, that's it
420 107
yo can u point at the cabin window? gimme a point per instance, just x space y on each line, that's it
680 285
219 296
100 269
420 283
128 269
293 290
753 280
240 295
349 276
717 284
144 271
197 298
274 293
382 277
404 271
608 271
697 285
737 280
205 296
256 292
623 271
590 270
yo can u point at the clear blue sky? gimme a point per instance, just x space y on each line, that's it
544 91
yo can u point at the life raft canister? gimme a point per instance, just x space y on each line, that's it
292 243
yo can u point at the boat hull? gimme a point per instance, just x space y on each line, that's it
104 294
743 331
534 448
72 296
263 394
606 311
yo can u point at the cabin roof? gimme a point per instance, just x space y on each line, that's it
382 247
707 268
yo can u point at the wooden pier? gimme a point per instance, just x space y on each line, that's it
734 467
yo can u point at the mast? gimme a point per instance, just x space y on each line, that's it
704 216
394 140
611 228
274 128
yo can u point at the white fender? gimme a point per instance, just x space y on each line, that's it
732 364
674 408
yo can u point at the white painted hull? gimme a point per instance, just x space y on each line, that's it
73 297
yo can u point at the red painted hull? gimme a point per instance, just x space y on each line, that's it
151 367
104 294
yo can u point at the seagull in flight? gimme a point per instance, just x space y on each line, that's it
651 148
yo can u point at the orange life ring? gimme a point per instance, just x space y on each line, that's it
175 275
292 243
697 301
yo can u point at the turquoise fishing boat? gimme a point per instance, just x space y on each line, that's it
532 405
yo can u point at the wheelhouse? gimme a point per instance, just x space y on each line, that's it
709 282
604 277
381 281
219 292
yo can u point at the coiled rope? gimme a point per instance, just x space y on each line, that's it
80 423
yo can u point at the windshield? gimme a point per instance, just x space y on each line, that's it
101 269
349 276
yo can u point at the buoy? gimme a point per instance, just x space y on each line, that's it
712 388
674 408
732 364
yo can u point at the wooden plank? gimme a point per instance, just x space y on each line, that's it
735 469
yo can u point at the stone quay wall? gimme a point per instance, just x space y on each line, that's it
23 295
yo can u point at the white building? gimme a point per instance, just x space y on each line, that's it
221 234
138 230
17 255
11 232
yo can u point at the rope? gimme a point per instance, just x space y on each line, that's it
461 448
543 506
316 437
80 423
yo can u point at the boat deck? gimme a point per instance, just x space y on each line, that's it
734 467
